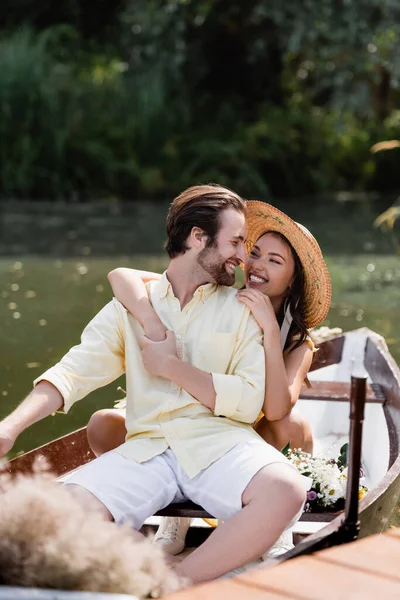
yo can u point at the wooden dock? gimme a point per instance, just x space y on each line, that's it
367 569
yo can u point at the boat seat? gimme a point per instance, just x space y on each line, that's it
184 509
339 391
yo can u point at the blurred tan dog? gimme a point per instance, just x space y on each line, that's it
47 540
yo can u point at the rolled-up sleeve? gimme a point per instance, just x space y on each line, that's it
240 392
98 360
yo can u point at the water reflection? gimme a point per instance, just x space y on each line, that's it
45 303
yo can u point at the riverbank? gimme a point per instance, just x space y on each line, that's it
342 224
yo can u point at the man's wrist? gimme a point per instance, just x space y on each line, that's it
172 367
11 427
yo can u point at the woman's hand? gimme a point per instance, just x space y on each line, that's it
157 356
261 309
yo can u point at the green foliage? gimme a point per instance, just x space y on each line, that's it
343 456
141 99
92 131
31 115
95 21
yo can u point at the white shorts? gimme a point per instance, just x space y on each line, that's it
132 492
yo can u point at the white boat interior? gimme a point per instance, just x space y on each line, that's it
330 424
330 420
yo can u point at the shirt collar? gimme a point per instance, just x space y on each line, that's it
165 286
203 291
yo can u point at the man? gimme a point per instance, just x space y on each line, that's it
191 399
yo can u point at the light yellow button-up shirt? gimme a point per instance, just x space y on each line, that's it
215 333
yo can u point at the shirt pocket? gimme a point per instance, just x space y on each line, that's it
216 351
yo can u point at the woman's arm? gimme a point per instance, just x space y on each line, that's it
129 288
284 375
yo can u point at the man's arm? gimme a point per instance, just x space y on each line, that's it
198 383
44 400
95 362
238 394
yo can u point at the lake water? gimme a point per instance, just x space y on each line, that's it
45 303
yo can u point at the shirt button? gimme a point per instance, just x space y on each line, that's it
178 337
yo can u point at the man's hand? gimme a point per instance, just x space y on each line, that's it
157 356
44 400
7 440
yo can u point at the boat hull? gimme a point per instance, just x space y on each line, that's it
375 510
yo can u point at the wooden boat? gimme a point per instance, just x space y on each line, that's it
326 405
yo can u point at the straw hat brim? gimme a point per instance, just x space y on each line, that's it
262 218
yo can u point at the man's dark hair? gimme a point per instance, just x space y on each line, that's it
198 206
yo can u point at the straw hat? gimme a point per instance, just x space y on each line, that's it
262 218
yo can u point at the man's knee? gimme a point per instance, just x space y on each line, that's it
280 481
88 501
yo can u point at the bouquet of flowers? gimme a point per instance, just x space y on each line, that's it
329 479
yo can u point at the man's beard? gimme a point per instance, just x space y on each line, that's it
212 263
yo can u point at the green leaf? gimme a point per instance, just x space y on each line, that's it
285 450
342 460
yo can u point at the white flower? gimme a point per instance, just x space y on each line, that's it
328 479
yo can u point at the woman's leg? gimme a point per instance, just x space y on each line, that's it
106 430
294 428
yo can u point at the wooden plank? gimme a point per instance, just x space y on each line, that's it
380 502
338 391
228 590
184 509
312 579
63 455
384 371
329 353
378 554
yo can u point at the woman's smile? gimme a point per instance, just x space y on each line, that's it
270 266
256 280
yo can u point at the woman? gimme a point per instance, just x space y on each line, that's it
287 289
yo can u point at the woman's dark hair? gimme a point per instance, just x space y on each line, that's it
198 206
295 300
